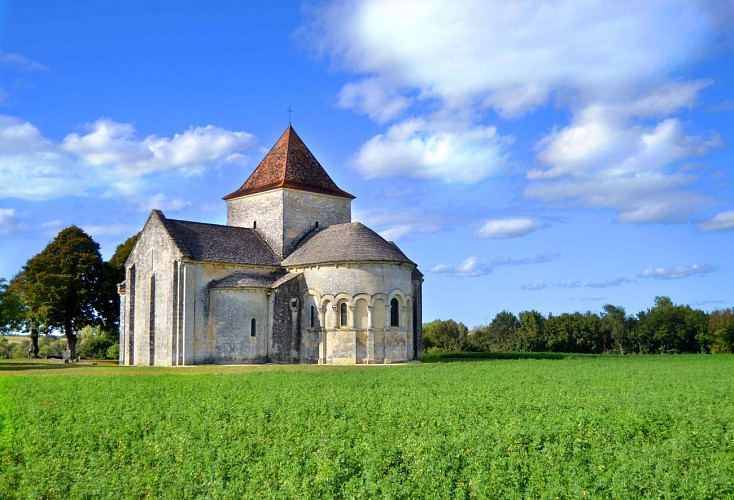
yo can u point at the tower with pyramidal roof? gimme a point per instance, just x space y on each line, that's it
287 196
289 279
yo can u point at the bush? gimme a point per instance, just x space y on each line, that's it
51 346
114 351
94 343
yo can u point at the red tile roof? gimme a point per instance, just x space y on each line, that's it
289 164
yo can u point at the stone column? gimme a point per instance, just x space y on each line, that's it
370 336
322 335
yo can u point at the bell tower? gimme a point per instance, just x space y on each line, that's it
287 196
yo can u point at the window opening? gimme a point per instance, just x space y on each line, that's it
253 327
312 316
343 315
254 224
394 312
317 224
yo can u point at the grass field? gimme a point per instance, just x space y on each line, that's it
658 426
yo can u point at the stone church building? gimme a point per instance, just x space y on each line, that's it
289 279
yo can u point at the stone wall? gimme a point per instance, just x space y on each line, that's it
284 216
232 311
286 330
304 210
148 315
261 211
366 290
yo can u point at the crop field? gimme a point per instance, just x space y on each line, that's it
624 427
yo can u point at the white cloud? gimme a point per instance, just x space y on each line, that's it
395 226
673 273
110 143
18 137
603 160
723 221
20 62
373 99
474 266
543 283
514 55
8 220
107 156
508 228
165 203
447 62
101 231
424 149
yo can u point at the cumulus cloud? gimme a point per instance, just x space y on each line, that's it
543 283
373 99
105 230
8 220
723 221
474 49
107 142
107 155
424 149
474 266
165 203
450 62
674 273
603 160
395 226
508 228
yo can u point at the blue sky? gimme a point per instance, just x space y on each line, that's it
555 156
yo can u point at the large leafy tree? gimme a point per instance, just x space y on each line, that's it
12 308
19 316
62 283
113 272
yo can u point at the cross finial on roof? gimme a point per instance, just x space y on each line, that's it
289 115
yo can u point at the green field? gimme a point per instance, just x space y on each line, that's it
621 427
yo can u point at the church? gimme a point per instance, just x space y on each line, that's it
289 279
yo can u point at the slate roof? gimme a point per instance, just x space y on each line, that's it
289 164
216 243
352 242
249 280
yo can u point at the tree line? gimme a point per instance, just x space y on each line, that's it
69 287
63 289
664 328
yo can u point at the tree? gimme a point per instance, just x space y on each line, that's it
502 330
667 327
62 283
11 308
615 326
448 335
721 331
113 273
531 335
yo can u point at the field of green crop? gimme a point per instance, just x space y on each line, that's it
620 427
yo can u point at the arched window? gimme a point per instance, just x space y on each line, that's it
317 224
343 315
313 312
394 312
253 327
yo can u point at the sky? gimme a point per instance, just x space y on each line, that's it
548 155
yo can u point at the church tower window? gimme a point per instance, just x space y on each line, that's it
394 312
253 327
